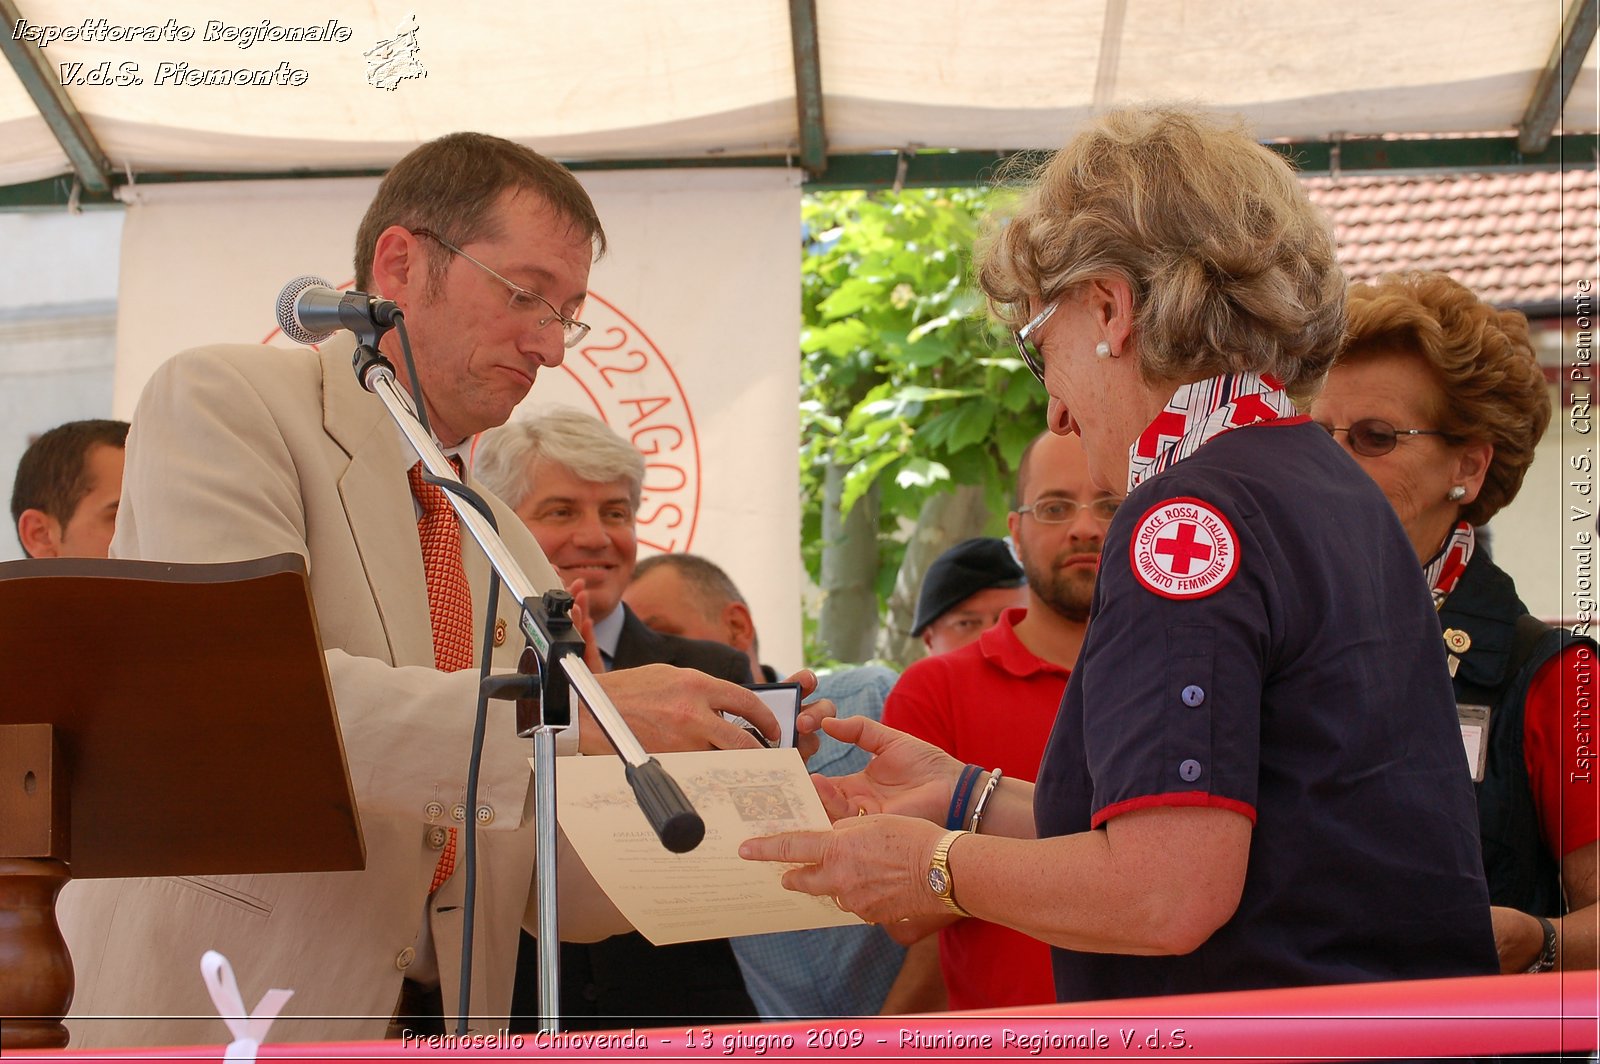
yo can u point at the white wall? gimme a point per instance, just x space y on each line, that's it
1529 538
1532 539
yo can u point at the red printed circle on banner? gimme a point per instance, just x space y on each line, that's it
634 390
1184 548
631 386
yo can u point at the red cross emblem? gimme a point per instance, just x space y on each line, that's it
1184 548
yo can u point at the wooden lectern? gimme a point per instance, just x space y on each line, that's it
156 720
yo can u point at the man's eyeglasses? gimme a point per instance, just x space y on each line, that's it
521 299
1060 511
1026 347
1374 437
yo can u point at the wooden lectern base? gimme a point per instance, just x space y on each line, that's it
35 967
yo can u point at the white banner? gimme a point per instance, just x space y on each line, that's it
695 316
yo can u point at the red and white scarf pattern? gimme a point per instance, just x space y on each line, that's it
1444 570
1201 411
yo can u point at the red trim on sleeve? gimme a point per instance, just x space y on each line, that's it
1179 798
1560 696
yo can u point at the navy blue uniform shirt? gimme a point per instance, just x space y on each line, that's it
1261 640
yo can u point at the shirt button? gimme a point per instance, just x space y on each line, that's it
406 956
1189 771
436 837
1193 696
485 815
458 813
434 810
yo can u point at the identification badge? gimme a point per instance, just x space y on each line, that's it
1474 737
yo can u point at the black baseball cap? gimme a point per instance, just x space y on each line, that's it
969 567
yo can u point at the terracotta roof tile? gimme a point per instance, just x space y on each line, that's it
1514 238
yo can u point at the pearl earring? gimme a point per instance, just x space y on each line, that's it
1102 349
1456 494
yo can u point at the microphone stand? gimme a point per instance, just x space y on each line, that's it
542 688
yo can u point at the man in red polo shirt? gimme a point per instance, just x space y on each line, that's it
993 702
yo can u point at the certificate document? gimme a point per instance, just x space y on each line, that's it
709 892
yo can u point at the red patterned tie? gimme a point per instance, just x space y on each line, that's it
449 603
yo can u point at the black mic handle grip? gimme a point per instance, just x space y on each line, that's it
367 358
671 817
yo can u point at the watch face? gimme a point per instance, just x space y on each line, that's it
938 882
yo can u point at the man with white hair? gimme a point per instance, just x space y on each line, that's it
576 485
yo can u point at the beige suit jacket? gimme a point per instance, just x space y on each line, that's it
245 451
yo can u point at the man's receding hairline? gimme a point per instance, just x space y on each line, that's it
702 596
573 227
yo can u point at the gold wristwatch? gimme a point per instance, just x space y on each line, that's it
939 879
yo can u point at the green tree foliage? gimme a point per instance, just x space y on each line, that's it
904 381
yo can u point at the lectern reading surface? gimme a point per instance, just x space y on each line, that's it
156 719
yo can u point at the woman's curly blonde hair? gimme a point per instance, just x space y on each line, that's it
1482 359
1231 266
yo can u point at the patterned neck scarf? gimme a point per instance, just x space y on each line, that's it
1203 410
1444 569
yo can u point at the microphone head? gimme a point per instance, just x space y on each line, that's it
288 311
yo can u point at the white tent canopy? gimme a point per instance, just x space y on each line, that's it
613 80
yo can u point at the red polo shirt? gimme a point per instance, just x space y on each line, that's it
991 703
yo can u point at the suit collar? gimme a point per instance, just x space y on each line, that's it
608 633
638 644
377 503
350 413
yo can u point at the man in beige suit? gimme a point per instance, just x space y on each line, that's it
244 451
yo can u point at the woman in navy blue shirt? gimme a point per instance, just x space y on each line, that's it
1253 780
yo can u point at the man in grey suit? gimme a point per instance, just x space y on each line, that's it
576 484
241 452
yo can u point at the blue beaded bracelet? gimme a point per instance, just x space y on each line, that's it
961 797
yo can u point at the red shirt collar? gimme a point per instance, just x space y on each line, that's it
1000 646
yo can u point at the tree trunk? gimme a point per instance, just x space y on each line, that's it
945 520
847 625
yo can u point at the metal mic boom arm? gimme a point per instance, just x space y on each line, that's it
550 635
377 376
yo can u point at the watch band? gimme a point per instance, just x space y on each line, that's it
940 881
1546 960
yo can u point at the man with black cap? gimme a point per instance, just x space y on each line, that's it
994 701
965 591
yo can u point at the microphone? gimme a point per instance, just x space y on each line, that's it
310 310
